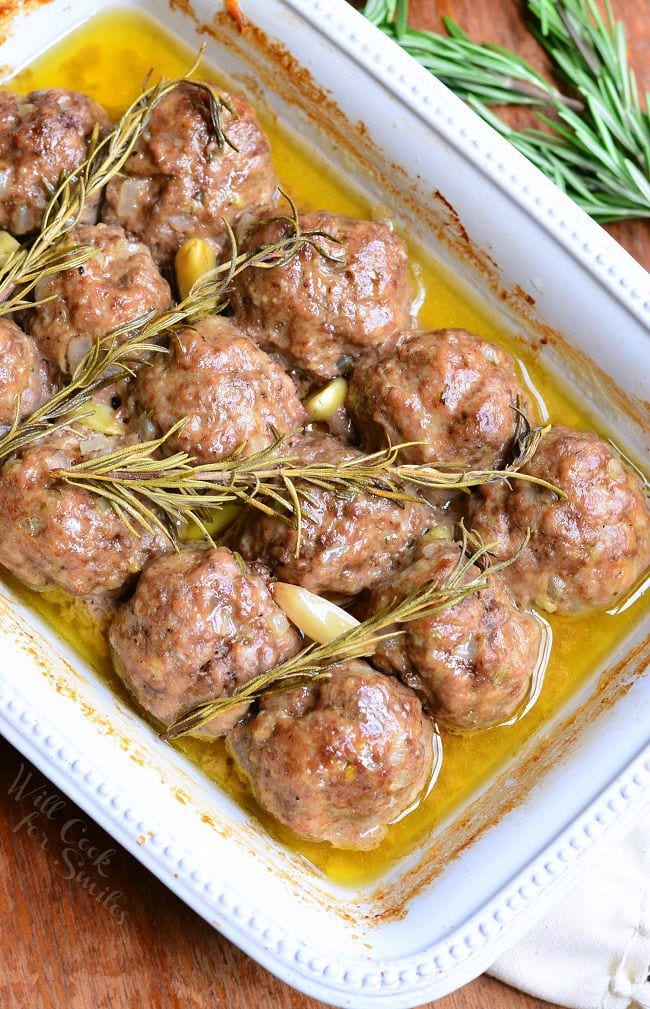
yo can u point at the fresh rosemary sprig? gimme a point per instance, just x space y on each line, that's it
314 660
114 356
497 75
598 149
48 253
141 487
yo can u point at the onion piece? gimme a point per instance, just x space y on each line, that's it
21 219
317 618
131 196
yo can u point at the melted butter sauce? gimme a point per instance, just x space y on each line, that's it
109 58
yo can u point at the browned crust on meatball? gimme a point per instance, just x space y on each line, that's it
23 373
197 627
52 533
119 285
231 393
347 542
450 389
472 662
320 314
177 184
43 135
338 760
586 550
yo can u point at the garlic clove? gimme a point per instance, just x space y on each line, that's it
323 404
317 618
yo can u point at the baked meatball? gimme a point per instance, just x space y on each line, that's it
198 626
471 663
585 550
23 373
43 136
119 285
230 392
178 185
348 542
449 389
320 314
339 759
52 533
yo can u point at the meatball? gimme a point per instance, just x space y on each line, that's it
471 663
23 373
348 542
586 549
230 392
178 185
320 314
449 389
119 285
339 759
52 533
199 625
43 136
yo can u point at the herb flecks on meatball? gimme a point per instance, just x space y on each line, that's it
340 759
177 184
450 389
232 394
197 627
52 533
471 662
43 136
24 375
586 550
318 313
120 284
348 542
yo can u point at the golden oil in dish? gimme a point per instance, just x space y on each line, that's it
108 58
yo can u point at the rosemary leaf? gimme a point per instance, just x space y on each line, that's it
314 661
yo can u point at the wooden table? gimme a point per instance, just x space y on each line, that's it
139 947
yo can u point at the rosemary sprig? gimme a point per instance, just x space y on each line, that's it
49 253
598 149
141 487
469 68
313 661
114 356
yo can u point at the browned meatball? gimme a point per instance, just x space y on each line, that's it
585 550
348 542
449 389
471 662
340 759
232 394
119 285
43 135
177 184
197 627
23 373
52 533
319 314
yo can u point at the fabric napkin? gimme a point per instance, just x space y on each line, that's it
592 951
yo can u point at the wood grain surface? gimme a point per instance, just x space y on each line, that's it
89 928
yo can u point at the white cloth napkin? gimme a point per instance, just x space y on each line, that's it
592 951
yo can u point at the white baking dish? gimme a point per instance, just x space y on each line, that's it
439 919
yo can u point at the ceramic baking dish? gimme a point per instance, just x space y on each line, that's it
442 916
